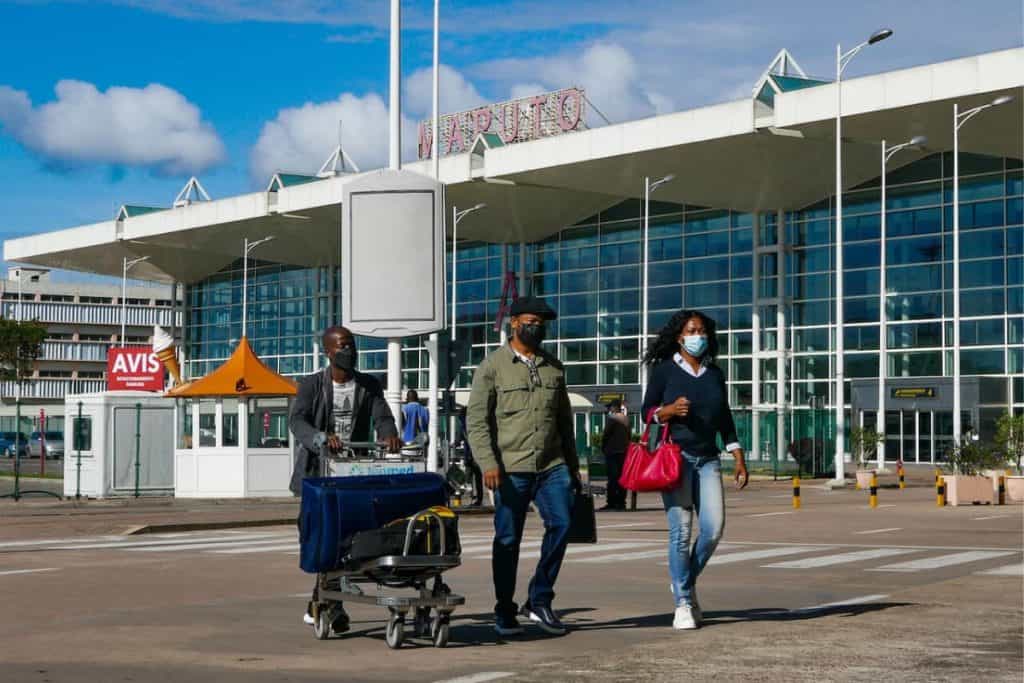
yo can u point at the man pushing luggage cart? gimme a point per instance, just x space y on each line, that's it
333 407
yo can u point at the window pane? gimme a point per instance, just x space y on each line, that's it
229 422
580 374
982 273
620 278
621 325
918 335
982 362
82 433
811 339
578 351
920 364
620 373
668 273
621 349
268 423
576 328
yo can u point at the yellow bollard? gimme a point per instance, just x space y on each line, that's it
796 493
873 496
903 483
938 475
1002 490
940 492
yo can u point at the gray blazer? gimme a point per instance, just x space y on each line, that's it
311 414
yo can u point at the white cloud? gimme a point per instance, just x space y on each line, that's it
299 139
607 72
154 127
455 94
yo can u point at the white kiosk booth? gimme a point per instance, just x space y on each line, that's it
118 443
231 437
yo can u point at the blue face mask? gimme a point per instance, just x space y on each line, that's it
695 344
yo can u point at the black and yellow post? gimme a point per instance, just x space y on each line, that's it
1002 490
796 493
873 495
899 472
940 491
938 475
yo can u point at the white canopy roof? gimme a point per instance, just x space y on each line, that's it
729 155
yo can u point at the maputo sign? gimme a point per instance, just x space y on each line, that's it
134 369
528 118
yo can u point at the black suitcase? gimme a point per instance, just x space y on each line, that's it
390 539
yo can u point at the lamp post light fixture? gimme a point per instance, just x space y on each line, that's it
959 119
128 265
456 217
649 187
887 153
248 246
842 60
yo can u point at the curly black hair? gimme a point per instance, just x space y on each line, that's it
666 344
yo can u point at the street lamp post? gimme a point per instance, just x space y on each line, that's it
18 493
248 246
887 153
842 59
128 265
649 187
959 119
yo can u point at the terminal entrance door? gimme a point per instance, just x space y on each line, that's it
916 436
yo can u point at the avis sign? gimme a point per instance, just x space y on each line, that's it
134 369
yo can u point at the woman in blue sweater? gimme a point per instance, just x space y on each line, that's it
687 392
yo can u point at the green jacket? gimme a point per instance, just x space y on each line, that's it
516 425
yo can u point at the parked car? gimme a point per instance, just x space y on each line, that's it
7 441
54 445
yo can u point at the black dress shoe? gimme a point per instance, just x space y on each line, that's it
545 618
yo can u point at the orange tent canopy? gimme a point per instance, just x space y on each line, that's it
244 374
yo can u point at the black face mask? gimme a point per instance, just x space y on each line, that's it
532 335
345 359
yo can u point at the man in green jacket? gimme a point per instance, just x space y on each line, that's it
521 432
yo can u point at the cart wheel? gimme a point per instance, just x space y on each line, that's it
440 630
421 625
322 624
395 632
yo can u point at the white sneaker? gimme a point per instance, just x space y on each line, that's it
684 620
307 619
698 615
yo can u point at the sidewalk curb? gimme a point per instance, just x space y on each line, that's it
206 526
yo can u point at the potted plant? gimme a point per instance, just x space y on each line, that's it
864 446
1010 440
967 460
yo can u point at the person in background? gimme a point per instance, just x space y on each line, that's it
415 418
687 392
614 442
522 434
334 406
472 468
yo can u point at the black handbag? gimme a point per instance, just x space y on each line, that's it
583 524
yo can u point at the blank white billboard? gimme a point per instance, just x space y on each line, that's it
392 255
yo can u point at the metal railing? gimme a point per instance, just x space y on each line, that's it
52 388
92 314
75 351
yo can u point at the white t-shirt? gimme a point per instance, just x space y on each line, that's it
344 401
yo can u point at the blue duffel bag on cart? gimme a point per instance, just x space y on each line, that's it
335 508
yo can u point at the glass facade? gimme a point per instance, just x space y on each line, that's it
769 274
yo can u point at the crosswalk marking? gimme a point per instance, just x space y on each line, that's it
206 545
729 558
247 550
1008 570
878 531
943 561
844 603
139 544
841 558
583 549
641 555
14 572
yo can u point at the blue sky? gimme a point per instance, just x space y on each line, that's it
103 103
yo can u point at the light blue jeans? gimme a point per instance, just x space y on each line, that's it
700 491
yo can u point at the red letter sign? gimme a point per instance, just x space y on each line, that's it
134 369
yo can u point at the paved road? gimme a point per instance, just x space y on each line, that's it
834 591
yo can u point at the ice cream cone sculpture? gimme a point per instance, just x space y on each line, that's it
165 350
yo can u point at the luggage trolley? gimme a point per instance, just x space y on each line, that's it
433 603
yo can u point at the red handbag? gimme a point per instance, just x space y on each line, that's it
647 471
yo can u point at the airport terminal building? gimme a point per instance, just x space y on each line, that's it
744 230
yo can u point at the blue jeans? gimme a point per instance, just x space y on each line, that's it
552 492
700 490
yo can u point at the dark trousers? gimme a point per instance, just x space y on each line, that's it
616 496
552 493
